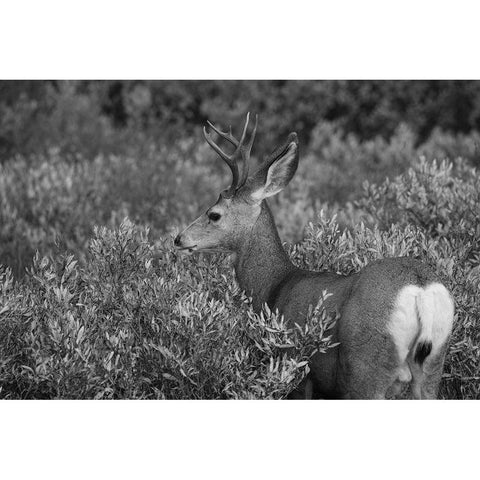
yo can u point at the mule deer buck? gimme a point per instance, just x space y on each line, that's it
395 317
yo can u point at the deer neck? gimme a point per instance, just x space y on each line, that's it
261 262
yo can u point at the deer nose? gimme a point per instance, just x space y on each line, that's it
178 241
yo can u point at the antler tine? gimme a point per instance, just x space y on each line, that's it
226 135
210 141
229 160
244 133
246 150
242 151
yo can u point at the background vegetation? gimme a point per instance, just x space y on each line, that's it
115 313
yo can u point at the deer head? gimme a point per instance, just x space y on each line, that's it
227 223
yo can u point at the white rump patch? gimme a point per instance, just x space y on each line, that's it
421 314
404 325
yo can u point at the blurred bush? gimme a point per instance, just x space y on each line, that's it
92 117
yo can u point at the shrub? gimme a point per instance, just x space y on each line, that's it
140 322
442 199
335 164
51 203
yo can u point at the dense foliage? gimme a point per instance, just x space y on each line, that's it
50 202
113 312
140 322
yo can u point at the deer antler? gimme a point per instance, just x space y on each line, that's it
245 151
242 151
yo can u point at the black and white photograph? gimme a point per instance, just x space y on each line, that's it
303 241
240 239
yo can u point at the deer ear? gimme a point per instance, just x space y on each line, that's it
277 171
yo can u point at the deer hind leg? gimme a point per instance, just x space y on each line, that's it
367 386
382 364
386 380
369 373
427 377
370 365
402 378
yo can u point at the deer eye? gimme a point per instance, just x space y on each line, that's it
214 217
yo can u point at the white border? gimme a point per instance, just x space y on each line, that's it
253 39
242 439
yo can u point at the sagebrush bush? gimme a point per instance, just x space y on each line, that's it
336 164
140 322
52 203
441 198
